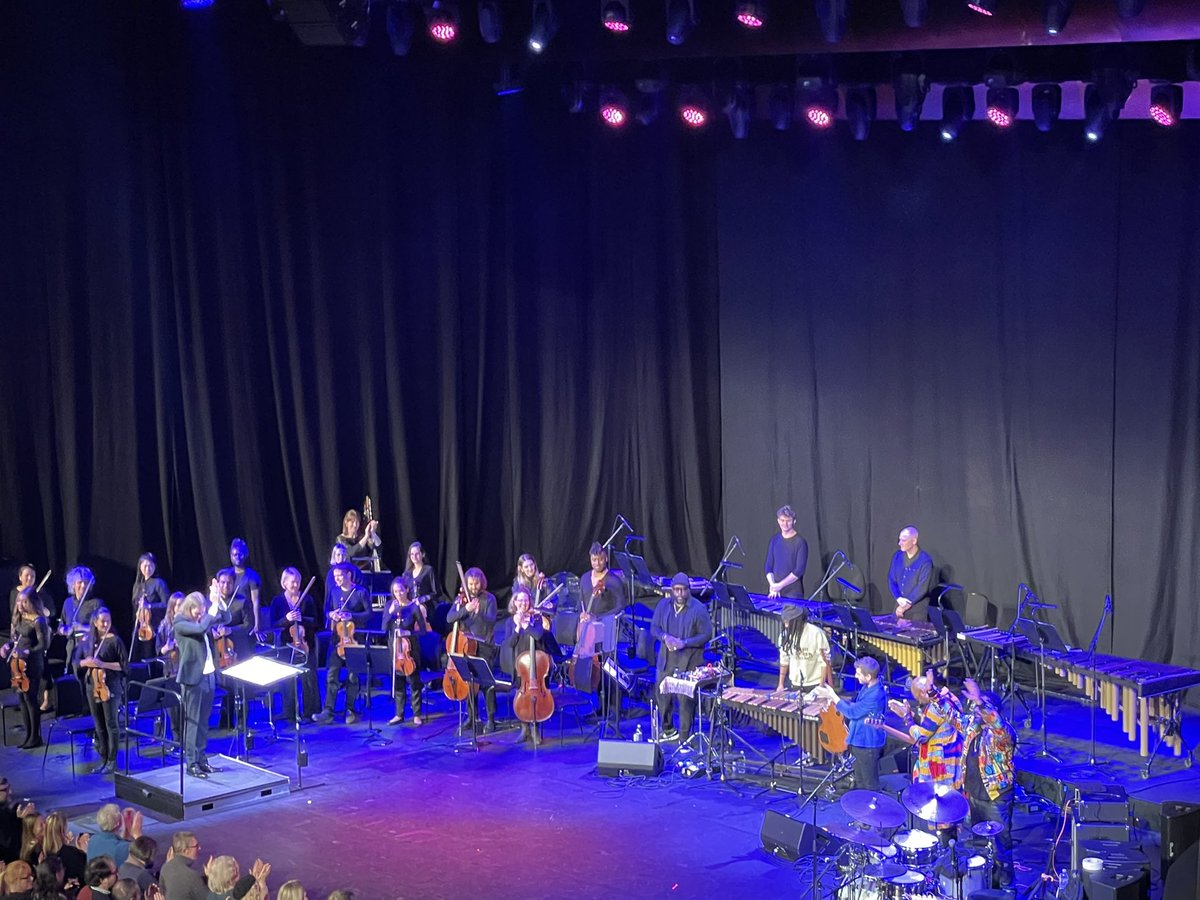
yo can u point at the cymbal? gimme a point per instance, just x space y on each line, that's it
907 877
885 871
856 835
939 804
987 829
873 808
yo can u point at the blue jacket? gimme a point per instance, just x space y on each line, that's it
871 701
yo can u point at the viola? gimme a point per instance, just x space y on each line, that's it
534 702
20 673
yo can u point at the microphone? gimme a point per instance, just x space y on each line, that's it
738 544
624 521
1108 602
852 588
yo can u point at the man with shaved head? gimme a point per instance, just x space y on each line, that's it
910 576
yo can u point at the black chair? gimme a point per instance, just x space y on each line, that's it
71 716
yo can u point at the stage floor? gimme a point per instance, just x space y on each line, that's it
428 817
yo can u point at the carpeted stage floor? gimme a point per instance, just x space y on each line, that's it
427 817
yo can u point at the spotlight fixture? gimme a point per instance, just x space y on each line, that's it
545 25
832 16
400 28
441 21
983 7
1104 99
739 109
693 107
1095 114
1055 14
910 88
820 104
1129 9
491 21
1047 104
575 95
860 110
914 12
616 16
650 100
681 19
782 105
614 108
1166 102
1003 104
751 14
958 108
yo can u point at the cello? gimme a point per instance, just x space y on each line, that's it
584 671
534 703
458 644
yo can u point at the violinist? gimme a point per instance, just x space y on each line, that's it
149 603
81 604
526 626
425 588
530 577
682 627
360 542
296 619
104 661
249 585
475 610
337 555
348 606
405 620
27 649
44 603
600 591
197 672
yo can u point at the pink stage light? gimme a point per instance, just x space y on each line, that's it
613 115
818 117
982 10
749 20
999 117
693 116
443 31
616 26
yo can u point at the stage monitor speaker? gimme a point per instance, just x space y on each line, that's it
786 838
326 23
1179 828
1183 881
1118 886
1094 831
628 758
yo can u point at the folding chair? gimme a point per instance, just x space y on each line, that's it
71 716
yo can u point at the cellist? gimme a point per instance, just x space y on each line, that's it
404 620
475 610
526 626
30 638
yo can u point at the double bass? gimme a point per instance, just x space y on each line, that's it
534 702
458 644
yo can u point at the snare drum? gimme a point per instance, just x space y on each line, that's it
977 877
862 888
917 848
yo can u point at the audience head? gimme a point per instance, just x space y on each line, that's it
101 872
17 878
126 889
223 873
108 817
184 843
291 890
143 849
342 894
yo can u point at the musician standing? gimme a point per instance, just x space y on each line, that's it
81 604
990 744
360 542
936 735
349 603
30 638
43 600
530 577
149 596
474 609
910 576
289 611
803 652
405 618
865 741
682 627
247 584
601 593
197 673
787 558
423 583
527 627
105 652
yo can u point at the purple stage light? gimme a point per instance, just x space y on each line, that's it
443 32
613 116
818 117
693 116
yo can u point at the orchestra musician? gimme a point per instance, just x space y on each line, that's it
910 576
168 651
787 558
30 638
474 609
989 745
149 593
248 585
526 625
803 652
599 588
197 672
44 602
865 742
349 604
935 732
288 611
359 541
424 584
682 627
104 653
530 577
77 611
405 618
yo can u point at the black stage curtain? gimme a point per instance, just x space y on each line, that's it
995 340
246 284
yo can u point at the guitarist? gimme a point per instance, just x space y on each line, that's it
865 741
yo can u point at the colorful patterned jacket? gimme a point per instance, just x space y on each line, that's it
938 740
996 748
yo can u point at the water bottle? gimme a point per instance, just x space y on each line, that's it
637 734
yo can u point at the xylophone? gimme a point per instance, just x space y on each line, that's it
914 645
783 714
767 616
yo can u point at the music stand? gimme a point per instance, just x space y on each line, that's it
362 659
261 672
1045 636
476 672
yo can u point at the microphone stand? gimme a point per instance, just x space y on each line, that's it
621 526
828 779
1092 665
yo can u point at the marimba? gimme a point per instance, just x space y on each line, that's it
783 714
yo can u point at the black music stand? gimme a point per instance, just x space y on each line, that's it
476 672
1045 636
362 659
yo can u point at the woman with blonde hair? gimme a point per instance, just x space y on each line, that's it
58 841
17 878
291 890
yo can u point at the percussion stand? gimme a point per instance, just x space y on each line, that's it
827 780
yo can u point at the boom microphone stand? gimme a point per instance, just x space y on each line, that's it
1092 665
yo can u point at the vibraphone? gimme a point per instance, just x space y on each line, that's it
914 645
782 714
767 617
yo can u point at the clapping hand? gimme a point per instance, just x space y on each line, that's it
260 870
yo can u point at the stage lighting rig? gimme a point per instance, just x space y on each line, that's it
751 14
832 15
958 108
614 108
1054 15
739 109
1166 103
1047 104
910 85
782 105
1104 99
544 27
983 7
400 28
441 21
509 82
491 21
693 107
1003 105
914 12
860 110
681 20
616 16
819 100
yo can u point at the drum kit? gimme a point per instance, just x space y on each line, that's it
882 860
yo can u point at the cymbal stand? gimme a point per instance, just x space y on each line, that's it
828 779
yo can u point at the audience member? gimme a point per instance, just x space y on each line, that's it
99 878
137 864
179 879
59 842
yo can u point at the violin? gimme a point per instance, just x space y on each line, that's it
534 702
20 673
296 631
403 661
145 630
100 690
458 644
344 628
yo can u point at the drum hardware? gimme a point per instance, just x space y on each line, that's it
873 808
938 804
987 829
